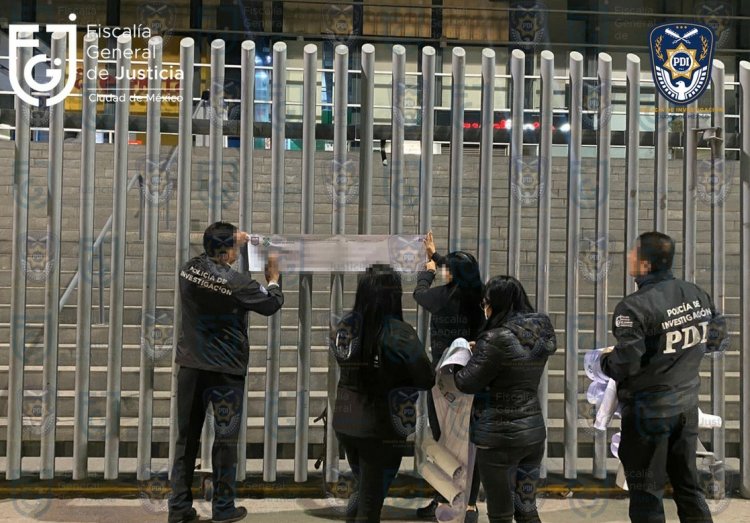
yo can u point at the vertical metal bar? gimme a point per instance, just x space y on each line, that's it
571 283
632 151
100 256
458 87
745 280
52 284
216 135
543 221
517 72
278 121
689 193
182 221
425 213
148 314
338 225
661 197
604 72
718 251
302 414
17 339
398 85
85 263
117 266
366 142
485 162
247 115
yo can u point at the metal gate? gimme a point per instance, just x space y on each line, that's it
645 123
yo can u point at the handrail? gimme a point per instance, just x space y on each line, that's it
107 227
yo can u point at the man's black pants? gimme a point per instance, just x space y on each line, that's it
195 390
374 463
652 449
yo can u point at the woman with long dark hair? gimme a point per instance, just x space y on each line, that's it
503 373
383 366
455 313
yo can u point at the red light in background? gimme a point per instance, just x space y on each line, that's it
536 125
467 125
475 125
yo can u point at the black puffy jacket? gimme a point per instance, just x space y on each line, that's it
377 399
503 374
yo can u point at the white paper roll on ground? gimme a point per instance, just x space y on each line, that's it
441 482
445 461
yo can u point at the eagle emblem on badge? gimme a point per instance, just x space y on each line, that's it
681 58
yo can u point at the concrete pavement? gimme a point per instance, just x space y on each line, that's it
310 510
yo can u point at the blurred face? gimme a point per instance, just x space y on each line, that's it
487 308
636 266
446 274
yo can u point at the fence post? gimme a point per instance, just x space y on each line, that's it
148 316
52 283
17 337
366 142
543 217
745 279
485 162
632 150
661 165
601 326
182 221
216 131
458 87
571 284
517 72
398 83
278 123
85 263
247 107
718 252
689 192
340 93
302 414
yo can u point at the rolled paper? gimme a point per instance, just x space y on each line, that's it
442 457
595 392
620 480
607 407
442 483
592 366
458 353
708 421
614 445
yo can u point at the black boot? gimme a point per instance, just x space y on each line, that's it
428 512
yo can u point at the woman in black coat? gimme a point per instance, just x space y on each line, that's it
383 366
503 373
455 313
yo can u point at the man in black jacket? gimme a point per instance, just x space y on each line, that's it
212 354
662 330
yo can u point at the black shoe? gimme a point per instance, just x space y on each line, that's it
236 515
428 512
472 516
183 517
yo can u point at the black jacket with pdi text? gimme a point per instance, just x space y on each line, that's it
215 302
503 374
662 330
447 320
365 389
